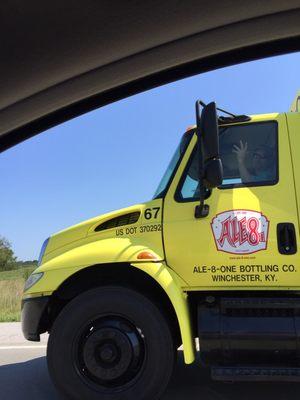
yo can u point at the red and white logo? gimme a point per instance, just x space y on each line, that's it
240 231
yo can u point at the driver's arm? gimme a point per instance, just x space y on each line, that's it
241 159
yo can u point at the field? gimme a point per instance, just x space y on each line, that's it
11 288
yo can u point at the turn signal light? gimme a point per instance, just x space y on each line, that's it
146 255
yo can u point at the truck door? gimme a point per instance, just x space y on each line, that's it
250 236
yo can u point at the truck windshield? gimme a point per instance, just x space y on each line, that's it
172 167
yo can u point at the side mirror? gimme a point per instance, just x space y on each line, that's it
208 133
210 164
213 173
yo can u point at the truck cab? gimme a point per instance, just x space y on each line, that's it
212 256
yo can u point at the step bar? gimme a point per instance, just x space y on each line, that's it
257 374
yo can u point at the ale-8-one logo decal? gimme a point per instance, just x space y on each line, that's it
240 231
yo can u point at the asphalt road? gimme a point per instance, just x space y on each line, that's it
24 376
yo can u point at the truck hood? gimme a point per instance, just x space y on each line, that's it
126 222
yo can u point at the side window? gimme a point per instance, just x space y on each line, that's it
249 155
190 187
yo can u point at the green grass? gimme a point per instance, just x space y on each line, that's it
10 299
16 273
11 289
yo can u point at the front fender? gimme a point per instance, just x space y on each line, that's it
100 252
172 284
164 276
109 250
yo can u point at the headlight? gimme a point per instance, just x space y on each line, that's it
32 280
42 252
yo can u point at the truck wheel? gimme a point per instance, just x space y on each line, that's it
111 343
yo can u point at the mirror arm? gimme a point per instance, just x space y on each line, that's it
201 210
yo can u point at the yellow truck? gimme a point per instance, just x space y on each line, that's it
212 256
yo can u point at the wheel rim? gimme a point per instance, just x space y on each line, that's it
110 352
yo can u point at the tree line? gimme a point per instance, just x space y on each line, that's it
8 261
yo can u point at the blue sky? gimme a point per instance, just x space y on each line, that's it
115 156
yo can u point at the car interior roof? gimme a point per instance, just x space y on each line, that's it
61 59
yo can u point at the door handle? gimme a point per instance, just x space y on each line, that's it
286 238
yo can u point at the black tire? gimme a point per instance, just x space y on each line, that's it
111 343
